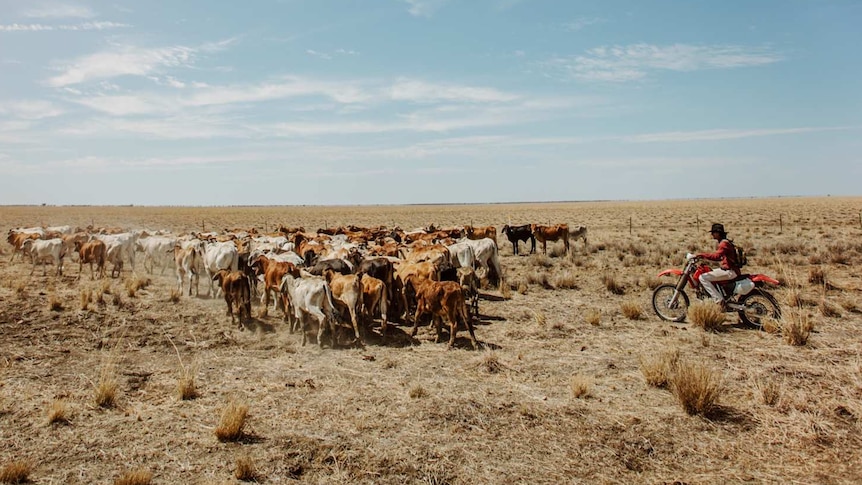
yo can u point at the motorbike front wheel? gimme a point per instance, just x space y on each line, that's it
667 310
759 306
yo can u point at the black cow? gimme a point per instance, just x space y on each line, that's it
520 233
337 265
380 268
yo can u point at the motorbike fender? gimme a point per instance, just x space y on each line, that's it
762 278
672 271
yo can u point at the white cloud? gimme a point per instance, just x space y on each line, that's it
424 8
75 27
59 10
321 55
130 60
725 134
423 92
581 22
637 61
30 109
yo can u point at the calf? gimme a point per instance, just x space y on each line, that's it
235 287
91 252
543 234
578 232
515 234
473 232
218 256
442 299
185 257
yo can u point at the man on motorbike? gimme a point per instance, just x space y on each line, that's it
728 268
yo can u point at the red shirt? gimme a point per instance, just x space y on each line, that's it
726 253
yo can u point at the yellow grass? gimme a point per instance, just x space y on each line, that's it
796 327
593 317
581 386
16 472
232 421
134 477
245 469
696 387
706 315
631 309
106 388
658 368
58 412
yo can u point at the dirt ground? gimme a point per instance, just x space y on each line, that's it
556 394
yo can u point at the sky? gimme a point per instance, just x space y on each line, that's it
325 102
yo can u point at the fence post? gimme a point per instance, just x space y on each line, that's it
697 219
630 225
780 224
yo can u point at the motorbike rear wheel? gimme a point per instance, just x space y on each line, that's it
759 306
661 303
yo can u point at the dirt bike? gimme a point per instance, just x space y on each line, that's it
743 294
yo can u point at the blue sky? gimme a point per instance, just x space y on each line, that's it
424 101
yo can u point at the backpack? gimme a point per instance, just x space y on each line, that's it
741 258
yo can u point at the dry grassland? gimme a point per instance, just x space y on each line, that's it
137 377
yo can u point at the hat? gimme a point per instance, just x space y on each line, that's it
718 228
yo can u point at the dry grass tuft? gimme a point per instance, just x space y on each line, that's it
417 392
706 315
817 276
657 369
593 317
134 477
768 390
16 472
795 299
541 261
86 298
506 291
796 327
581 386
827 309
611 284
106 389
135 283
631 310
541 279
245 469
696 387
540 318
54 303
58 413
117 300
232 421
175 295
652 282
106 287
770 326
566 281
490 363
21 288
186 388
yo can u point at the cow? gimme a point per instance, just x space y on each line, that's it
373 298
470 286
337 265
543 234
185 258
120 246
156 249
515 234
218 256
487 260
404 293
91 252
348 290
442 299
234 285
311 297
272 273
41 250
578 232
16 238
474 232
380 268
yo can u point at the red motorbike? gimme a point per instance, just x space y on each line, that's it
744 294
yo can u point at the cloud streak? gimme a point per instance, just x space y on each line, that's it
637 61
58 10
424 8
82 27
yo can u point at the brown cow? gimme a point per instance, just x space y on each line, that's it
347 289
403 294
374 298
234 285
543 234
442 299
273 272
474 232
91 252
16 239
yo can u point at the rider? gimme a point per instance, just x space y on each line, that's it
729 268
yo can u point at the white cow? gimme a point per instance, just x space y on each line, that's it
124 244
462 255
157 250
41 250
310 296
487 258
61 229
185 258
218 256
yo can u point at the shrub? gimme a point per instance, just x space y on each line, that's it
612 285
16 472
566 281
245 469
417 392
797 327
581 386
657 369
593 317
58 413
696 387
232 421
706 315
134 477
632 310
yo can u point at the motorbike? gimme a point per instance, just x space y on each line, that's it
744 294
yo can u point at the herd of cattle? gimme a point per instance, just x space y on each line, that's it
346 275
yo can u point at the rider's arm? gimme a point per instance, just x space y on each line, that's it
723 249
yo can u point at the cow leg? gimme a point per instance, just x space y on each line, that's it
264 300
383 322
437 321
321 318
354 319
416 320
